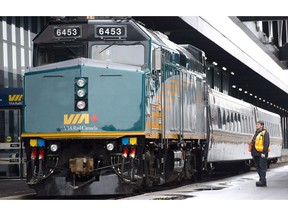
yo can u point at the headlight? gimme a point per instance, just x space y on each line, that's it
81 93
81 82
53 147
110 146
81 105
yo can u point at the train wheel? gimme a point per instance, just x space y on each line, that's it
190 167
148 170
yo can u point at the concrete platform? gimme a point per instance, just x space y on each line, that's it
13 188
240 187
237 195
229 196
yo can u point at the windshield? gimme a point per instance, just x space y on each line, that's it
124 53
51 53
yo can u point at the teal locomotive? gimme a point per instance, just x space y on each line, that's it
111 107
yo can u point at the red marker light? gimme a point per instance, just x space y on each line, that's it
133 153
125 152
33 154
41 154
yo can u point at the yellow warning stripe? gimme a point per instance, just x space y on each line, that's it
83 135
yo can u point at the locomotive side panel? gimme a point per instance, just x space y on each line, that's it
179 105
171 101
194 107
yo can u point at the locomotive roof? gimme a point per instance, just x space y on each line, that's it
134 31
88 32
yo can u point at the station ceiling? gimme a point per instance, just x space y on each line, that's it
180 32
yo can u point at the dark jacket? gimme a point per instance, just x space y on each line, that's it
254 152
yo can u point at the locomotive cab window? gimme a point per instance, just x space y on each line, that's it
51 53
131 54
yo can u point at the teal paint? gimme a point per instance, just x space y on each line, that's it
115 100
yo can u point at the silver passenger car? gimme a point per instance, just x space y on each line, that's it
233 125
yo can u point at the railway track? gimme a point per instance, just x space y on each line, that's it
206 179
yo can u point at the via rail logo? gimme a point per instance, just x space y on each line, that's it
79 122
15 99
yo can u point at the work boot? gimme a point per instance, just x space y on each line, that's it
261 184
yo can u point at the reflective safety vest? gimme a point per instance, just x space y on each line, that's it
259 142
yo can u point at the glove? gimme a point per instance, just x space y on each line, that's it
262 155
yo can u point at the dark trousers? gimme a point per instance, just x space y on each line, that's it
261 167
